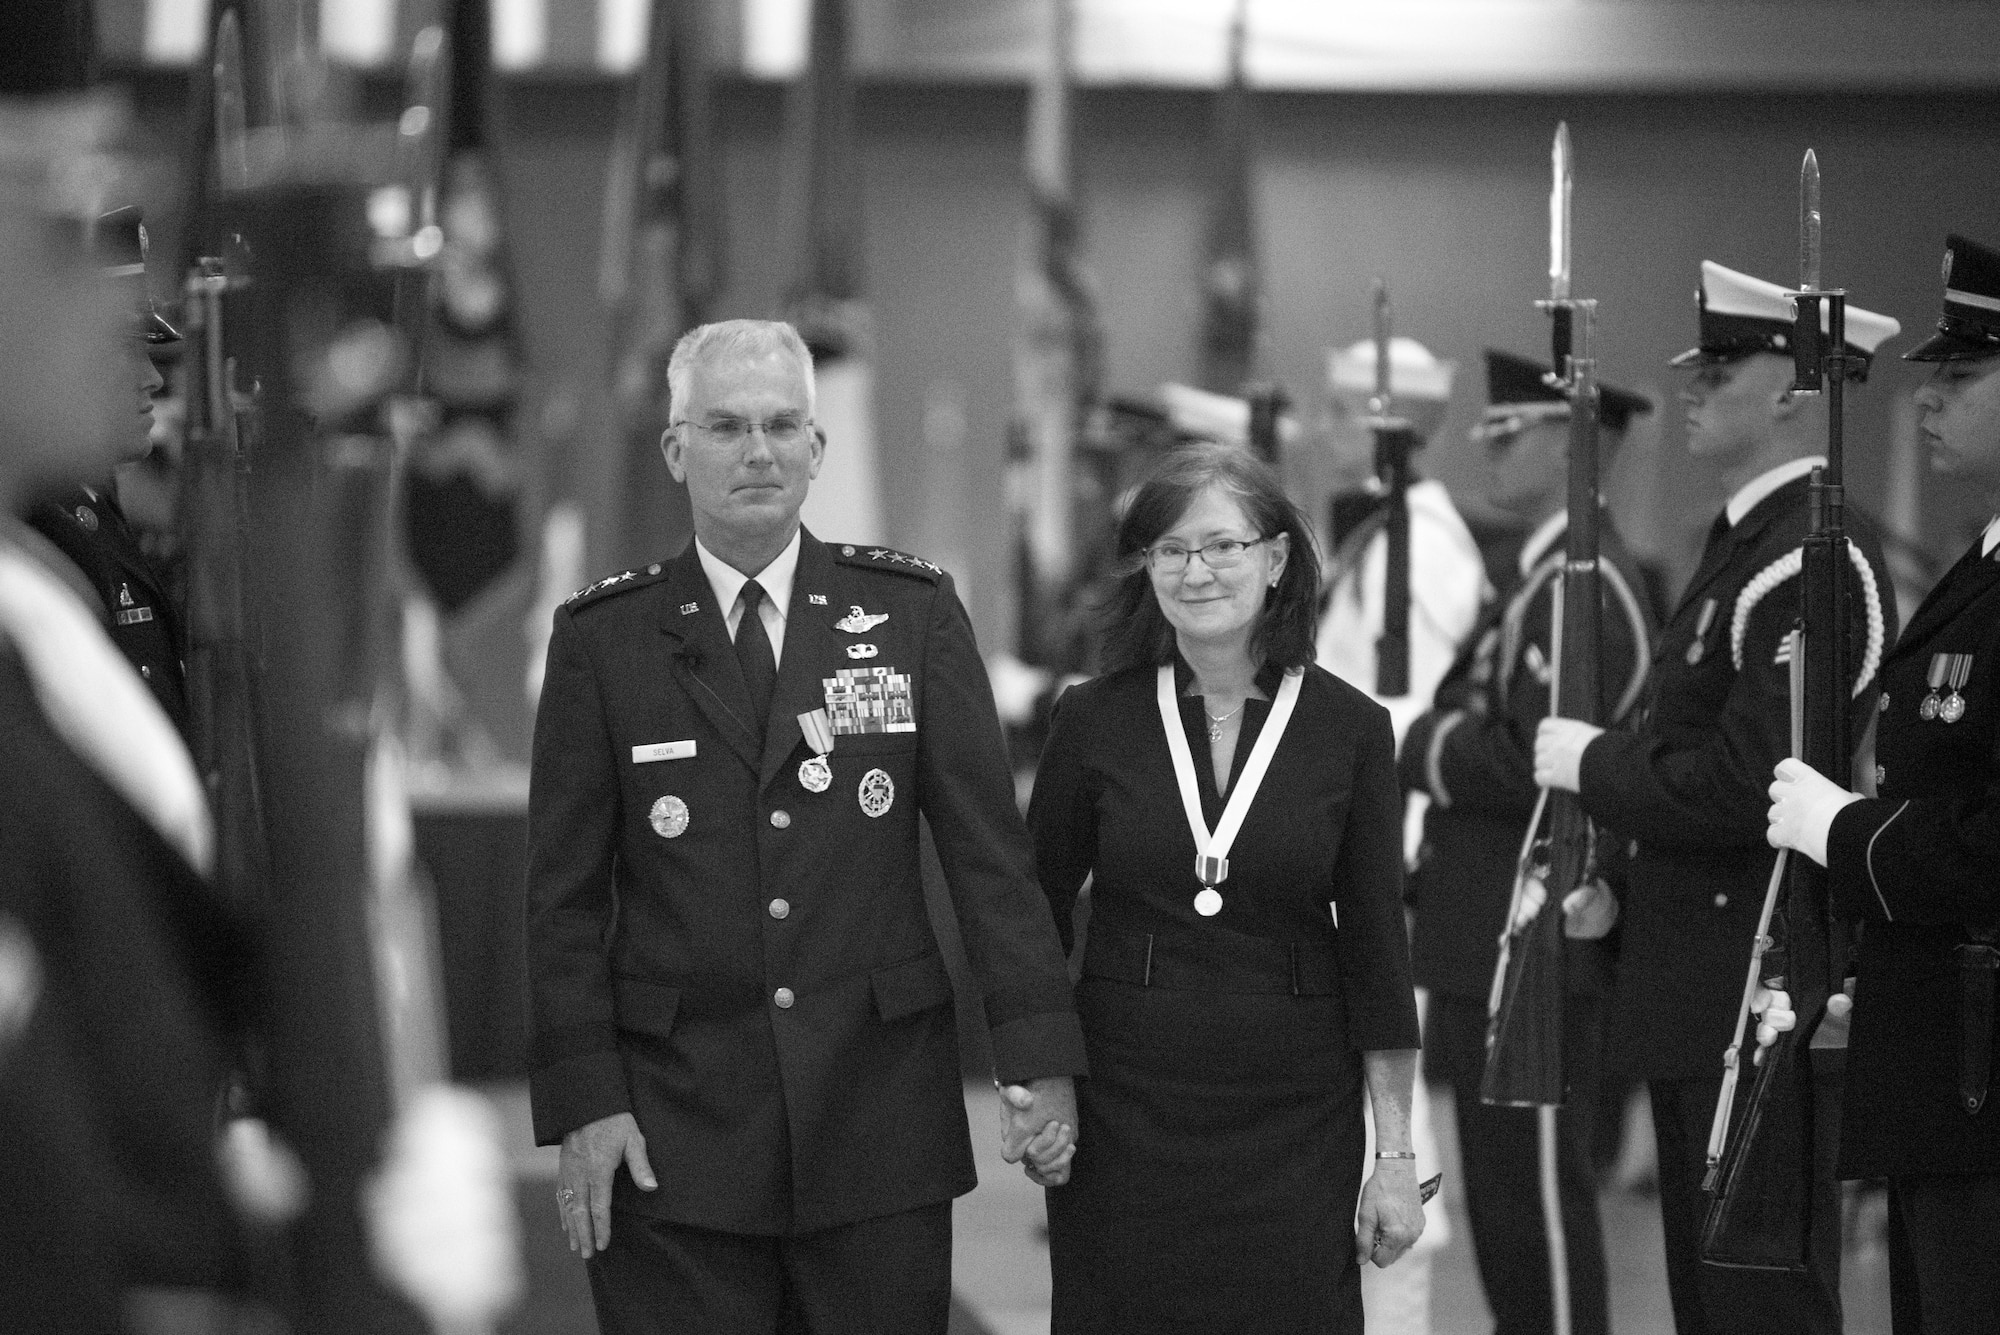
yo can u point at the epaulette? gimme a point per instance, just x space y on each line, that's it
621 582
884 558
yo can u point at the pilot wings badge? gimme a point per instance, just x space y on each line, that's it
858 622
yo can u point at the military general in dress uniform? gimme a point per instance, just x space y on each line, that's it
1472 755
1918 865
740 1012
84 520
1688 784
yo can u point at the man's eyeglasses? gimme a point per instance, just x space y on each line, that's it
784 429
1170 558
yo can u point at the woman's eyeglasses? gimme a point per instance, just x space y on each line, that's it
1170 558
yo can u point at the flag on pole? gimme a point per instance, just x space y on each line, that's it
461 523
1058 350
1231 288
825 299
661 267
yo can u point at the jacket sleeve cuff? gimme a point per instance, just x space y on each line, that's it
1850 875
1050 1043
576 1092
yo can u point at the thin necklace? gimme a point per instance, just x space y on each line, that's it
1217 722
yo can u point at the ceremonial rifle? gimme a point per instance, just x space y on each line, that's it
214 475
1762 1180
1395 438
1524 1055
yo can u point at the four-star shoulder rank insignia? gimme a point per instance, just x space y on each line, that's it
602 584
890 558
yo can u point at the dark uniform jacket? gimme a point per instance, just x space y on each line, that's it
1474 754
91 531
1690 786
1919 865
108 1096
761 988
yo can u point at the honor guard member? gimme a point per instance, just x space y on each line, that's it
1473 756
85 522
1918 865
740 1012
1687 785
121 1015
1447 575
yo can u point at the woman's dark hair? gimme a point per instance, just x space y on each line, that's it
1136 632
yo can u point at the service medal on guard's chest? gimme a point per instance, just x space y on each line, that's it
1947 672
815 775
1696 650
669 817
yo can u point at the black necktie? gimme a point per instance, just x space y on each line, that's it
1717 532
753 652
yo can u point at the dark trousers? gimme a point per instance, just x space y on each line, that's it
1944 1255
884 1276
1500 1155
1708 1300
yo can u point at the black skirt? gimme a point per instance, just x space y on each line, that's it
1217 1166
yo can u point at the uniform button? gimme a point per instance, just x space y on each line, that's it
1882 706
1881 776
1722 901
781 820
145 672
780 909
784 998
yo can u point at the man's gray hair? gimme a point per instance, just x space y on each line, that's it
708 343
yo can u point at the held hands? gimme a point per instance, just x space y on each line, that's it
1773 1009
1391 1217
1589 912
1803 805
1559 747
1038 1123
590 1158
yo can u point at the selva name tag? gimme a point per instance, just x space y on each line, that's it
663 751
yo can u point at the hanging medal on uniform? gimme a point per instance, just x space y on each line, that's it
1699 647
1940 665
815 774
1952 708
1211 849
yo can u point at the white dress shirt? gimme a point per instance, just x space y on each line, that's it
776 579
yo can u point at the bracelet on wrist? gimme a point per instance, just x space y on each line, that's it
1395 1154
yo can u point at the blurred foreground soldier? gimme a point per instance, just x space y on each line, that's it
740 1012
85 520
1919 865
1473 756
111 1055
1688 784
1447 576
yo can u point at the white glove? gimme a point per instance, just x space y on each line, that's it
1803 805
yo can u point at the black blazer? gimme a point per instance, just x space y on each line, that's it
1474 754
1919 864
1690 786
762 990
1325 829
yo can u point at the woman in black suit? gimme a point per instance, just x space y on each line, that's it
1918 866
1242 984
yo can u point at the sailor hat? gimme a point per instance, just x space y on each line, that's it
1414 373
1224 418
1970 325
1741 315
1516 391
